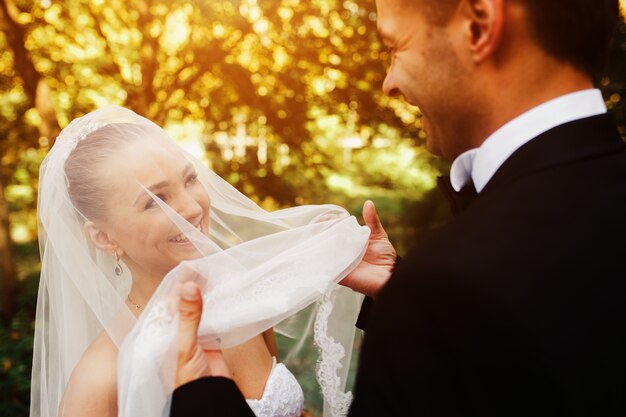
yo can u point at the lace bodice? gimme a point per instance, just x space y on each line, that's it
282 396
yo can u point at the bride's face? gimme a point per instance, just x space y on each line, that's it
144 235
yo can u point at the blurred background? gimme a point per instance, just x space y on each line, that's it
282 98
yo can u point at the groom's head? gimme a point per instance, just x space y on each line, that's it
472 65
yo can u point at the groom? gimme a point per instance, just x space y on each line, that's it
518 305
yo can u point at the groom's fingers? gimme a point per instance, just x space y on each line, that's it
371 219
186 274
193 362
190 310
217 363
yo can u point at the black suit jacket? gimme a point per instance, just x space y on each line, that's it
518 305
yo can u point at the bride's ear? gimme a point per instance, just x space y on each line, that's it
99 238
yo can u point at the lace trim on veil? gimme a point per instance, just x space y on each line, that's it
331 354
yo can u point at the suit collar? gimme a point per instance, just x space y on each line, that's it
459 200
481 163
581 139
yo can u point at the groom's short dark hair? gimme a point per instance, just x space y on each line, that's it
575 31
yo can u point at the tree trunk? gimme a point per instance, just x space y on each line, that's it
35 84
38 93
8 276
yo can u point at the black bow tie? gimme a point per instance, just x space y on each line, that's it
459 200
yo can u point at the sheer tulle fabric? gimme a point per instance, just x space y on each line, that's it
257 270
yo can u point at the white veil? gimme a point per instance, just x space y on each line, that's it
256 270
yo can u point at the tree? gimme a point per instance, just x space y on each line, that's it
8 279
271 65
37 95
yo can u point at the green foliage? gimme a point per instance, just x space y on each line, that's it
16 350
614 83
280 97
292 80
303 366
15 358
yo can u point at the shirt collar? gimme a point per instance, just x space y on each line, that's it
480 164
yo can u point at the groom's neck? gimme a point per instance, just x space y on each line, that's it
520 83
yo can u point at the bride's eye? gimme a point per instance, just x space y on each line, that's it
192 179
152 203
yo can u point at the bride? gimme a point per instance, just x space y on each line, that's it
124 214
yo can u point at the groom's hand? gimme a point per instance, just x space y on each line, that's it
193 361
380 257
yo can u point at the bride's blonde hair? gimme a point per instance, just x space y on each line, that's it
87 178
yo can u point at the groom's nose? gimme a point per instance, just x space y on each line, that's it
390 87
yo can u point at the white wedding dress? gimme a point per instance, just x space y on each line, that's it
282 396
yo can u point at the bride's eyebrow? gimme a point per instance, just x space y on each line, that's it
152 188
187 169
162 184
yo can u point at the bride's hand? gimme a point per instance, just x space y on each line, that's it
193 361
380 257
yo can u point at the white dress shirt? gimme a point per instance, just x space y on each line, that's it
480 164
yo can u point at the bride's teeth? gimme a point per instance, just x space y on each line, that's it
182 238
179 238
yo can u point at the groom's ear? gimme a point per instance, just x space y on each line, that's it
99 238
483 27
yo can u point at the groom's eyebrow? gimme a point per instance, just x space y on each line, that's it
383 36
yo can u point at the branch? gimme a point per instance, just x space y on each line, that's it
16 39
35 85
107 46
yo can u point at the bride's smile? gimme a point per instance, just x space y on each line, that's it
181 238
149 175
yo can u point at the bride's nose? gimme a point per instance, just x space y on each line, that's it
189 208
